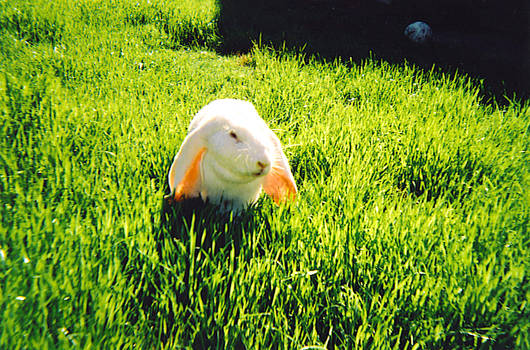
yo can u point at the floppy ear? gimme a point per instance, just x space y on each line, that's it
184 175
279 182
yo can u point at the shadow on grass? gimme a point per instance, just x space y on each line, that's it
465 38
192 242
427 173
204 223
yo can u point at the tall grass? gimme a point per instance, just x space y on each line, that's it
410 230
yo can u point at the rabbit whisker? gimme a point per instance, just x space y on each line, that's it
238 157
276 169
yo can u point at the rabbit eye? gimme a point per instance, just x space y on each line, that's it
233 135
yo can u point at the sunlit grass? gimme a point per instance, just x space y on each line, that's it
410 229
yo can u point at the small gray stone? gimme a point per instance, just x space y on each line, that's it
418 32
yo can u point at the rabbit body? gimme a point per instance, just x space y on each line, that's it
228 156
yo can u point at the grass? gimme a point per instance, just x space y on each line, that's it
410 230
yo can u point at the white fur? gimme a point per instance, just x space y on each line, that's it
237 140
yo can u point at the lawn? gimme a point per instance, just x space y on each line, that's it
410 229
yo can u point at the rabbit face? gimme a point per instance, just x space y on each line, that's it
237 156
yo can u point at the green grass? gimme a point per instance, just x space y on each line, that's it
410 229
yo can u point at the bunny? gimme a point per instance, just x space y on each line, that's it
229 156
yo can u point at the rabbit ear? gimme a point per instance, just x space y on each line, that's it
184 175
279 182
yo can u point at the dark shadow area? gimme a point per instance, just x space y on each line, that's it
190 237
486 39
427 173
178 219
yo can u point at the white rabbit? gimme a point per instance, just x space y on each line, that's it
228 156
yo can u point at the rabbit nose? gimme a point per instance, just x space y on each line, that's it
262 165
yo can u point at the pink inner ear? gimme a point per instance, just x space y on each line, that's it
279 185
188 186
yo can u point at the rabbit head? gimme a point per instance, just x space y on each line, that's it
230 154
235 152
